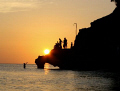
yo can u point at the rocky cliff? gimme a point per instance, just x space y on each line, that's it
96 47
102 39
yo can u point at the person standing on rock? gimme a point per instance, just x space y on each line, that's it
65 43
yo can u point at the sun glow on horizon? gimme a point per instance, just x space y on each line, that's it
46 51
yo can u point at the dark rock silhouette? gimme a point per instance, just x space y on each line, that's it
117 2
102 38
95 48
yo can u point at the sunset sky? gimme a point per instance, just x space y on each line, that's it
28 27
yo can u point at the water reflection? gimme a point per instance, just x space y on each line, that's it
13 77
97 81
81 80
46 68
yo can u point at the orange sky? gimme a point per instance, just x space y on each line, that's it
28 27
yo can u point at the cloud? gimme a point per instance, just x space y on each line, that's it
14 6
21 5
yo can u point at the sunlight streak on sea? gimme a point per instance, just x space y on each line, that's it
13 77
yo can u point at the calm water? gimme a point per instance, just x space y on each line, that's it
14 78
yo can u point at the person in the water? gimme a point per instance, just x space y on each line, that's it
24 65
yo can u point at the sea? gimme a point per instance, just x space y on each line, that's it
13 77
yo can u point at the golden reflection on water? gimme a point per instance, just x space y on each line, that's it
46 68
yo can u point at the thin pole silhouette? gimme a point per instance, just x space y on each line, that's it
76 27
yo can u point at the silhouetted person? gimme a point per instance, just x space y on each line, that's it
60 43
71 45
56 45
24 65
65 43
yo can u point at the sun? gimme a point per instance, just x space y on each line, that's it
46 51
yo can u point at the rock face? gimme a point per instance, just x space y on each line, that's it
96 47
102 38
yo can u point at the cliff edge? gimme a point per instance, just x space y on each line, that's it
96 47
102 39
